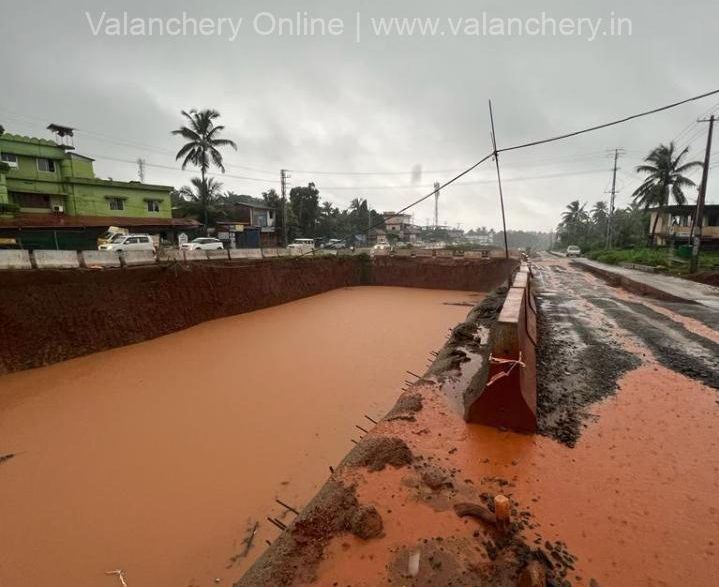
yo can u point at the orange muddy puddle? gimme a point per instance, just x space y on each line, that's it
635 500
154 457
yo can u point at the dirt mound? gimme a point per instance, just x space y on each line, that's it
436 478
472 335
375 453
296 553
407 405
366 522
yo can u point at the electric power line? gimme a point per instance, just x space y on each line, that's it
608 124
496 151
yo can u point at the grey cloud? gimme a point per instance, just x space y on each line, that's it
385 104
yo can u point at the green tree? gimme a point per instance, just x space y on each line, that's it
599 221
304 202
202 147
201 199
629 226
574 227
664 171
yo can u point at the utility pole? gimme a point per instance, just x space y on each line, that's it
610 218
699 215
499 181
436 204
283 189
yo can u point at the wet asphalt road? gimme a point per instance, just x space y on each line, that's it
592 333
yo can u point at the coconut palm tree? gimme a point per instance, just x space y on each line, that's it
600 212
202 146
574 214
574 222
201 198
664 171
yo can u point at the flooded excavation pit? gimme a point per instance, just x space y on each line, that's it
160 458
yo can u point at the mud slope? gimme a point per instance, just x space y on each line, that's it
442 273
50 316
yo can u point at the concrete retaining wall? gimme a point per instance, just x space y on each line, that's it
423 252
103 259
245 253
15 260
509 397
222 254
194 255
133 258
56 259
169 255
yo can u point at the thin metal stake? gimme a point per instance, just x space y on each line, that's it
289 507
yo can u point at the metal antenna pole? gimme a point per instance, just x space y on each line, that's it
499 180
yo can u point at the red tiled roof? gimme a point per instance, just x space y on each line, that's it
66 221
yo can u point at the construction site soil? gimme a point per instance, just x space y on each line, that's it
50 316
164 458
619 489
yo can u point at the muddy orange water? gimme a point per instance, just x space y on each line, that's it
154 458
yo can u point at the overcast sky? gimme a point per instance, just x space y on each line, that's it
358 100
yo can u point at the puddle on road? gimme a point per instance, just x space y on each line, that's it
154 458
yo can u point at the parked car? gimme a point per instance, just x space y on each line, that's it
574 251
335 243
203 243
129 242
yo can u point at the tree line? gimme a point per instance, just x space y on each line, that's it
664 181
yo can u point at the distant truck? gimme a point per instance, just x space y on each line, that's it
106 237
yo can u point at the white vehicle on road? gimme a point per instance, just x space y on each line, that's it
301 246
203 243
129 242
380 249
573 251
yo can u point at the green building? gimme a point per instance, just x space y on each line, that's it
50 198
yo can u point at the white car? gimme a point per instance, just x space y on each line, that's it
380 249
203 243
573 251
129 242
301 246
